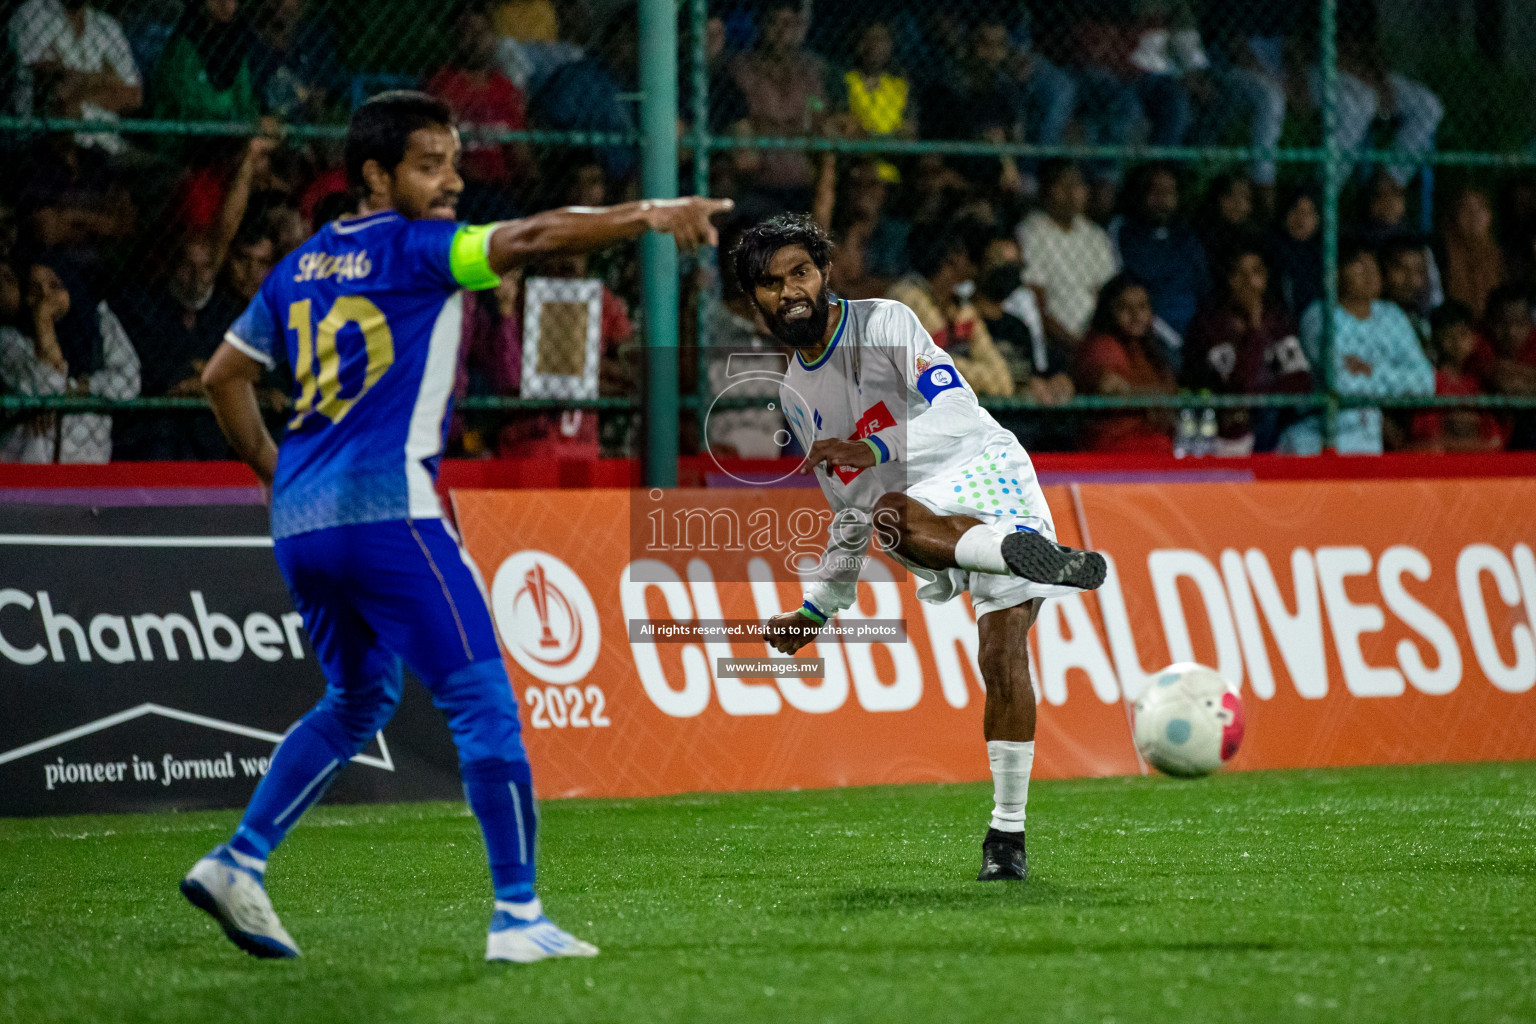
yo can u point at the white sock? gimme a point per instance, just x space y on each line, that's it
1011 762
980 549
529 911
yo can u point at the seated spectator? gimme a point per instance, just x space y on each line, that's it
179 321
1242 342
1121 357
71 198
938 268
1456 430
1375 354
483 99
252 255
205 73
1504 361
1126 78
980 101
1250 78
783 85
569 433
1067 257
1294 252
72 345
212 199
1474 263
1037 365
1159 248
876 100
871 244
74 61
1405 284
1386 220
1050 94
726 105
1226 218
933 191
1370 93
584 94
298 77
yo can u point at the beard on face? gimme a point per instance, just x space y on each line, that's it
806 331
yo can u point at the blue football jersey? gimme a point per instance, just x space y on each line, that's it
366 317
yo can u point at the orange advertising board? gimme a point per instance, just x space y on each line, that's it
1366 622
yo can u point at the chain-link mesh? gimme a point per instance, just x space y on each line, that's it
957 152
129 252
1115 214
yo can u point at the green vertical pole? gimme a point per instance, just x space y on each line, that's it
1333 183
698 67
658 253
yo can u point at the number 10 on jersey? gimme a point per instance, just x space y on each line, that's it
317 367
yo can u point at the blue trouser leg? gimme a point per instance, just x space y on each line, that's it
497 781
372 596
362 691
310 757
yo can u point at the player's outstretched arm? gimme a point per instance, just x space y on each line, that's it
230 379
577 229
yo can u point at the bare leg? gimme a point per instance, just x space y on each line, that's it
1004 659
920 535
924 538
1009 725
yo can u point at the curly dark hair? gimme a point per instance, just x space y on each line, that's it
756 246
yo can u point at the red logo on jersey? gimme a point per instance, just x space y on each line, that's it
876 417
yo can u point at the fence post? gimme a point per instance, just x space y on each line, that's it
658 254
707 285
1333 183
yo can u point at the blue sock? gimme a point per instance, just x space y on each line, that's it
305 765
501 795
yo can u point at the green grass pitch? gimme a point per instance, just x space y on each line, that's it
1362 895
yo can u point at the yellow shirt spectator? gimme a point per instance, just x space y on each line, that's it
529 20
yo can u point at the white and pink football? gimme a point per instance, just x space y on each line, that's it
1188 720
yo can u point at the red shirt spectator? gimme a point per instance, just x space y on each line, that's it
482 97
1120 357
1504 358
1457 430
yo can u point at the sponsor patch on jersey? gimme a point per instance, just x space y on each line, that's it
876 417
937 378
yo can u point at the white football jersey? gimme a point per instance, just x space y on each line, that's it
883 378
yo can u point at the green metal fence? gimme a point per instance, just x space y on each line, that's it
676 98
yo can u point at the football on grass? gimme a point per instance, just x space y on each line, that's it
1188 720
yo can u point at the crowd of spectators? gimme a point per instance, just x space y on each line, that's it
124 256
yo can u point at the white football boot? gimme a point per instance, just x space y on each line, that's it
231 891
523 935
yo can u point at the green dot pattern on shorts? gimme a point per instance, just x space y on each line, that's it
985 481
